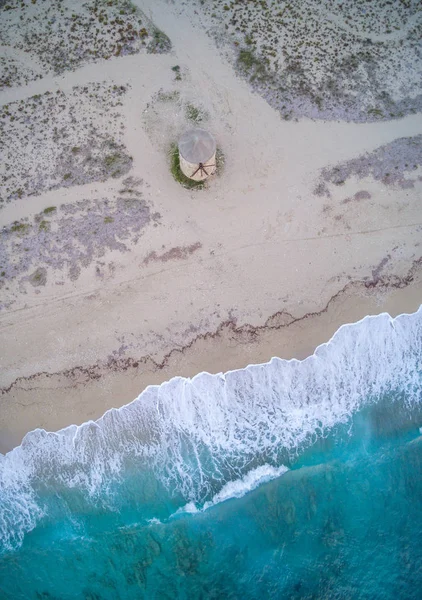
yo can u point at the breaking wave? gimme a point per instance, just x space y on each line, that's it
196 442
239 487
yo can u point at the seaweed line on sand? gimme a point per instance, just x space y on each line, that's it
246 332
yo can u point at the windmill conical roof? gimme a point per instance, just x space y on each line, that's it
197 145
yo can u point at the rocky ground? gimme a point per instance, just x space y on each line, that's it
58 35
354 61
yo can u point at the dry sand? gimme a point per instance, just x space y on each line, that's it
255 265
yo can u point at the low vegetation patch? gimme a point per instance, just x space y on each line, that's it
76 138
64 34
38 277
194 114
395 163
176 70
74 236
19 227
324 59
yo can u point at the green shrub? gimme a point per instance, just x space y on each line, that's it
181 178
194 114
176 171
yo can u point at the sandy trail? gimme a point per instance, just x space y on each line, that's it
396 35
146 66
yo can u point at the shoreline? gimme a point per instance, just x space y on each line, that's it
54 401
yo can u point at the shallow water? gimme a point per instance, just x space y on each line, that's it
285 480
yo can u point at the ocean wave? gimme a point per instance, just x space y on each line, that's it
196 437
238 488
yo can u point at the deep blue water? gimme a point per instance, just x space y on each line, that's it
284 480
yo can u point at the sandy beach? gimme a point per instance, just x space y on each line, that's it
115 277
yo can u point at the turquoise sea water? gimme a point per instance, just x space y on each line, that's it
284 480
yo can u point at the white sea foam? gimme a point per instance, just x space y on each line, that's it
238 488
154 521
191 433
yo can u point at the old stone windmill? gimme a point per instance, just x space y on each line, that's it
197 149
